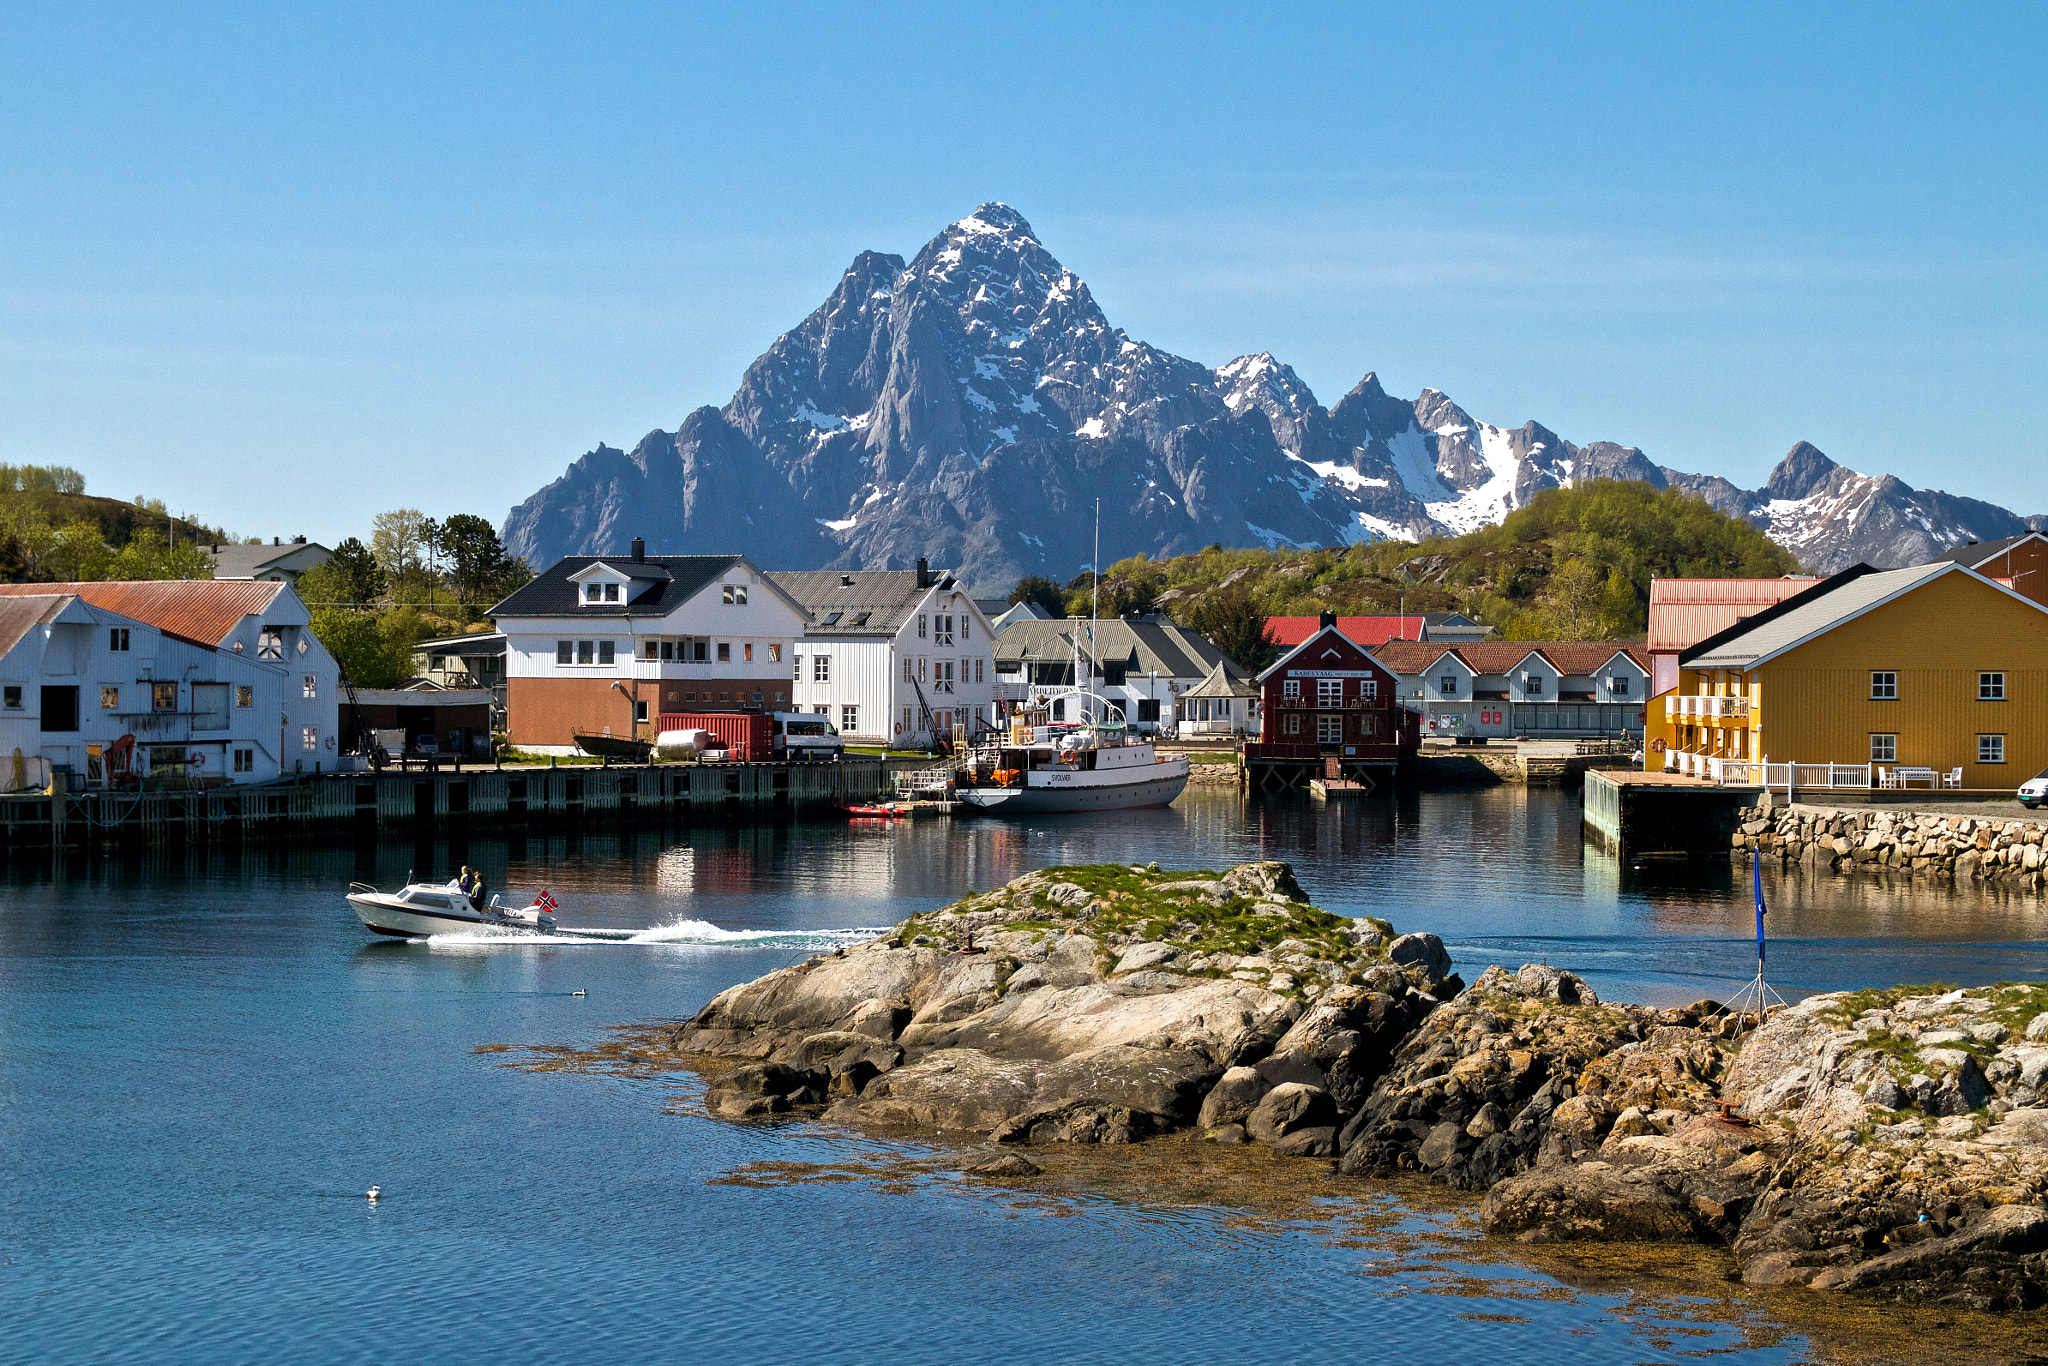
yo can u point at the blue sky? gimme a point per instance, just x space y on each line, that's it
286 268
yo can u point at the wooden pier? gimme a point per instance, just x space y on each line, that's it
474 800
1631 813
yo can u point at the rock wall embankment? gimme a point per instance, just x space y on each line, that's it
1991 848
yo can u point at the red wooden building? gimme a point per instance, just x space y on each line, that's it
1329 710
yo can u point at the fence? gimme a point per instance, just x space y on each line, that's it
1764 773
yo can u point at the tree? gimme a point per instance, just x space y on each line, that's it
403 542
373 651
351 575
1233 623
149 556
479 570
1041 590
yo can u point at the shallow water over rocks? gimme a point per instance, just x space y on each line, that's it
205 1064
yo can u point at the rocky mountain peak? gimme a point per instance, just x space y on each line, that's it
1802 472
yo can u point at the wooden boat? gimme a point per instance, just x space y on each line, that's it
613 747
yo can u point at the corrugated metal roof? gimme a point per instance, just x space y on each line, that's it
1977 552
21 613
1684 612
1809 619
201 611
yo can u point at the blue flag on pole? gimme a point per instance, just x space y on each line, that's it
1756 866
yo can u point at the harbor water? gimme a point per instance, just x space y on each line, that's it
205 1062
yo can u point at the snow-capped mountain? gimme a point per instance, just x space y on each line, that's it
972 405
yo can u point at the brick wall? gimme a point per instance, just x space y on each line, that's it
548 711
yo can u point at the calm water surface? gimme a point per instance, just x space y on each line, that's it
203 1064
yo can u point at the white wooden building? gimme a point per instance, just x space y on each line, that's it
173 682
892 656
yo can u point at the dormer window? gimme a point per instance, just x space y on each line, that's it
611 592
1618 686
592 592
1532 684
1448 685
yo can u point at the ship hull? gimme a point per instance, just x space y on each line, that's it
1060 797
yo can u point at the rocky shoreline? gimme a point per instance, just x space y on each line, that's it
1975 848
1890 1142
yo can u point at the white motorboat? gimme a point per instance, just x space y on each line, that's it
1038 768
422 909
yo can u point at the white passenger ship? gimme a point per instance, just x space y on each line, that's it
1035 767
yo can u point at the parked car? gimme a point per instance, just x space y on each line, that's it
2034 791
806 735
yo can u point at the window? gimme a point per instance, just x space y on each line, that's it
117 638
209 706
978 667
1290 687
60 707
747 652
586 652
110 699
1290 724
565 652
668 649
163 697
611 592
640 712
832 618
1448 685
942 675
736 595
920 668
1991 687
849 719
436 663
909 669
604 652
10 697
653 650
270 643
921 619
965 622
1991 749
1884 685
909 723
1532 685
1329 692
312 687
590 592
821 668
1884 749
1617 686
310 737
245 761
245 694
1369 689
774 653
698 649
798 674
1329 730
942 628
725 652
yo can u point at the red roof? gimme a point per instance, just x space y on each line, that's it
1585 657
1367 631
202 611
1684 612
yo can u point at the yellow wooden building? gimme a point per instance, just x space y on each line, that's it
1935 667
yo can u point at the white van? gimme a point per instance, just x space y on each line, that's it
806 735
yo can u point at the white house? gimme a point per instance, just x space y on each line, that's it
1141 666
892 656
605 644
171 681
1526 688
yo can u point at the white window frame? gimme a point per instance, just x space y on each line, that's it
1329 729
735 595
1329 692
849 717
821 668
1991 749
1991 686
1290 687
1884 685
1884 749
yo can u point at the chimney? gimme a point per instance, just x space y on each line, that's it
846 580
924 574
298 540
1326 620
639 550
276 541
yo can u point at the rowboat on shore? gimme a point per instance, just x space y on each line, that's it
613 747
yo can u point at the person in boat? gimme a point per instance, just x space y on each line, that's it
472 885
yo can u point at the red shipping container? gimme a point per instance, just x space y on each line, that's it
746 735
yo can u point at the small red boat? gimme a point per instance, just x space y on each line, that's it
880 811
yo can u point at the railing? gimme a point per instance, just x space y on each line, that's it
1279 750
1689 706
1310 704
1763 773
927 782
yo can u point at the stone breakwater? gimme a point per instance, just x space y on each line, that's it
1878 839
1891 1142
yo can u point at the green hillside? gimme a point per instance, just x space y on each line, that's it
52 530
1575 564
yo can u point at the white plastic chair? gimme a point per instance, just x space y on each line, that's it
1954 777
1885 779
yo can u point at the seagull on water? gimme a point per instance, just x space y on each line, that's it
373 1192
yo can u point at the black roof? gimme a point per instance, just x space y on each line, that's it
1976 552
676 579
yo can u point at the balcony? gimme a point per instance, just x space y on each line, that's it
1690 707
1754 773
1310 704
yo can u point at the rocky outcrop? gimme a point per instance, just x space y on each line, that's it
1887 1142
1982 848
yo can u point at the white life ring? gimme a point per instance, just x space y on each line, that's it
330 742
196 760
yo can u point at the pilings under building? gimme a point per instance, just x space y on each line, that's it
358 804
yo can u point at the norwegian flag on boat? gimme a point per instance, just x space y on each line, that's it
545 902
